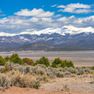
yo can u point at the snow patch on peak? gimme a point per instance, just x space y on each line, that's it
44 31
6 34
23 38
69 29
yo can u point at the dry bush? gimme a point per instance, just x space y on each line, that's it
31 76
83 70
16 78
4 81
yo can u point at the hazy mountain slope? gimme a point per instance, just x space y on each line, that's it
82 41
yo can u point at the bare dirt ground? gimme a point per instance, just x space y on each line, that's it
72 85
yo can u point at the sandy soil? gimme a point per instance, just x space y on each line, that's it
15 90
73 85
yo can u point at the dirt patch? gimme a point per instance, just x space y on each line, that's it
17 90
72 85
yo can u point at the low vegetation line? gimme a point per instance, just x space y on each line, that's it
15 59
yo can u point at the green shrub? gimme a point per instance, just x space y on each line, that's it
16 59
57 62
43 61
2 61
28 61
7 58
92 68
66 63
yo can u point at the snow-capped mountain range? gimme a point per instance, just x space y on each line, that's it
48 39
62 31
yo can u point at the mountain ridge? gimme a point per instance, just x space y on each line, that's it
54 41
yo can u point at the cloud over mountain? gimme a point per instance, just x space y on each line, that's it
40 21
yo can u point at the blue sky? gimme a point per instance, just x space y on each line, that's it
9 7
42 15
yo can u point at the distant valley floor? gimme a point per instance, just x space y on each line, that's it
80 58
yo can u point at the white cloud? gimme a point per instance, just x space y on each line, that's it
35 13
79 22
76 8
77 30
84 22
61 6
41 24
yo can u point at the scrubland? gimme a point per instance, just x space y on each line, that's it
44 76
